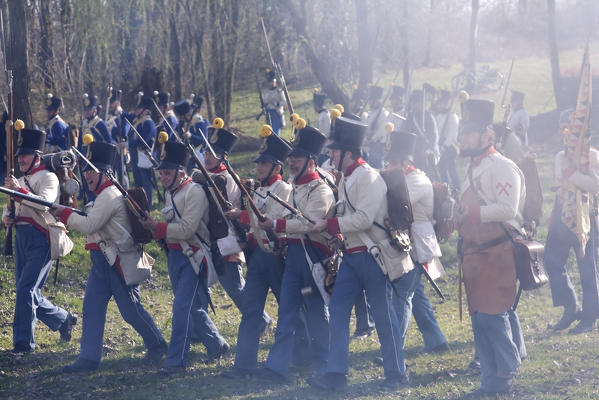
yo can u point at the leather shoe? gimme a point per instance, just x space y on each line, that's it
583 326
268 374
329 381
66 329
81 365
155 354
567 319
362 334
170 370
442 348
237 373
221 352
395 383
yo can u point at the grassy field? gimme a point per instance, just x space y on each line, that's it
559 366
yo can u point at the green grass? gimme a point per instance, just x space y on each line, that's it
560 366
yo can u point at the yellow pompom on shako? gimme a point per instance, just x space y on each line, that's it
299 124
19 125
294 116
266 131
335 113
162 137
389 127
339 107
218 123
463 96
88 138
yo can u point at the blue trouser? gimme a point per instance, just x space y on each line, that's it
298 275
32 264
265 270
447 167
364 322
103 283
276 122
376 154
499 358
233 283
359 271
142 176
191 302
424 314
557 249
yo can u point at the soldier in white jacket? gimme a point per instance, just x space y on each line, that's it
32 247
110 245
362 204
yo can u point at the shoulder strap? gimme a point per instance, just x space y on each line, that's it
178 215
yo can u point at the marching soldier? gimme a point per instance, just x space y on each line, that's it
143 174
119 130
192 125
398 113
377 118
161 99
274 102
92 124
448 123
57 133
357 211
32 246
519 122
490 216
324 117
112 251
231 279
189 260
574 175
423 238
315 200
426 155
266 263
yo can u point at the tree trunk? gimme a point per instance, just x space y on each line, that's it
46 54
18 62
429 35
65 21
319 66
175 56
554 55
365 46
405 46
473 34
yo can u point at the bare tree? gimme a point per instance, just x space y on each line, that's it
554 54
46 54
18 60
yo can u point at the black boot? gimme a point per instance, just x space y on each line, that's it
81 365
66 329
155 354
570 315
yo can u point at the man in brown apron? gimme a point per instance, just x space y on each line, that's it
491 200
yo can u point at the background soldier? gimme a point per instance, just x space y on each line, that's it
119 130
161 99
519 122
571 175
426 155
32 247
192 125
377 135
143 174
187 239
324 117
57 131
275 103
447 122
490 215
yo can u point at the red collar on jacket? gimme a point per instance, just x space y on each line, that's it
221 167
410 169
479 159
37 169
185 182
102 187
272 179
356 164
307 178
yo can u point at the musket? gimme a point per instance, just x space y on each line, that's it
289 207
37 200
262 105
106 114
277 69
10 160
131 203
373 126
507 107
270 234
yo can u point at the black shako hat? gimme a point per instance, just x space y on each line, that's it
145 102
319 98
30 141
348 133
174 155
274 150
182 107
102 155
161 98
308 142
221 140
477 115
90 101
53 102
403 145
116 95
